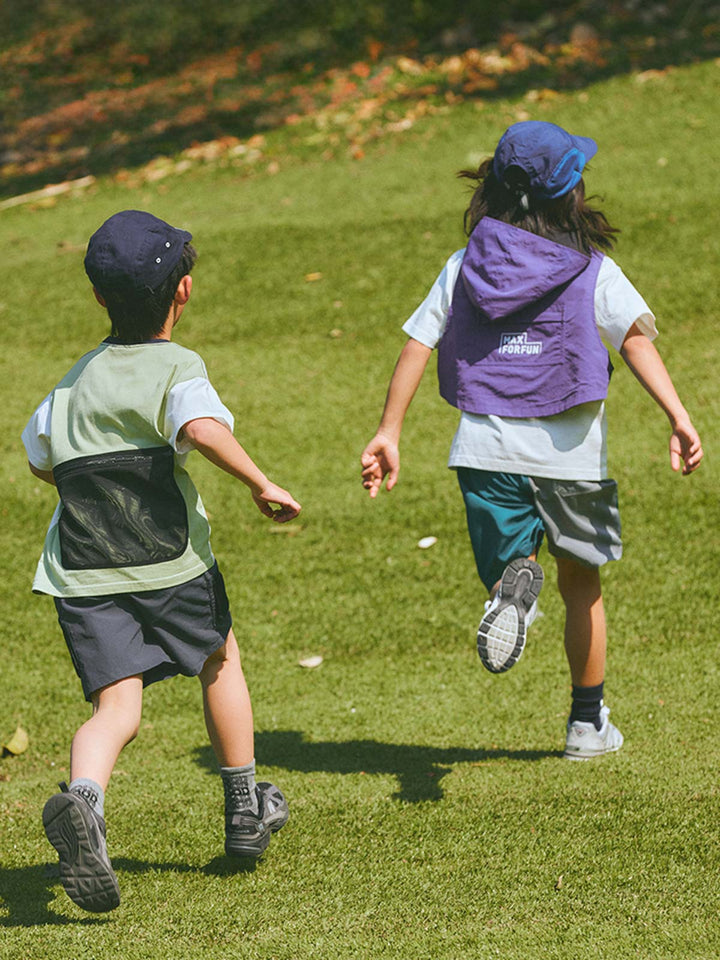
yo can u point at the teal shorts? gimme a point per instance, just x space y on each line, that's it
509 514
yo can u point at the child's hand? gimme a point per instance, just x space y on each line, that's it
287 508
685 447
380 459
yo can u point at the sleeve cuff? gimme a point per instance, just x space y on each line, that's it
192 400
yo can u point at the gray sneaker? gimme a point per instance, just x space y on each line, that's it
503 630
247 834
584 741
78 835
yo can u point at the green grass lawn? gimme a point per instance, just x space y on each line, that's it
432 814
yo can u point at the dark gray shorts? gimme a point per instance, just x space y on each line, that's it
508 515
581 518
156 633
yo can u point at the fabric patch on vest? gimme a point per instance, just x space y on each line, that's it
518 344
120 509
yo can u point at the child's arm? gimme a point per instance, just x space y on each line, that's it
647 365
214 441
381 457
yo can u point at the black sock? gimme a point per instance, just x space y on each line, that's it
586 704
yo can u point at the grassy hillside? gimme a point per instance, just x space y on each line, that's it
97 89
432 813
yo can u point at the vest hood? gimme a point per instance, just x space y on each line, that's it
506 268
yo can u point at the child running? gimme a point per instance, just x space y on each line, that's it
519 317
127 556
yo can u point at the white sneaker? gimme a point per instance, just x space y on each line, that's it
584 741
503 629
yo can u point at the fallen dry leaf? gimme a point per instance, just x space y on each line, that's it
17 744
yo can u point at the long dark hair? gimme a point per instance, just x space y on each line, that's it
567 219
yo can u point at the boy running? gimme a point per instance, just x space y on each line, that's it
127 556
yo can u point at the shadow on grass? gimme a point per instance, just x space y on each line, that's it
419 770
27 892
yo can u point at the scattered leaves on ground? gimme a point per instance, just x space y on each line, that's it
71 112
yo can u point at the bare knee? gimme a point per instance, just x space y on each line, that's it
217 657
125 722
228 651
120 705
577 580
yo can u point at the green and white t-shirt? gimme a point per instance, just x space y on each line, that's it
129 517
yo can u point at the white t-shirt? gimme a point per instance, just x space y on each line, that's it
568 446
188 400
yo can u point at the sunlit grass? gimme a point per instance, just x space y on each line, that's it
432 815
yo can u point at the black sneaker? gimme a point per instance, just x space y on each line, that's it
247 834
78 835
503 630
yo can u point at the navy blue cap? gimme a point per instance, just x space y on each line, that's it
133 252
552 158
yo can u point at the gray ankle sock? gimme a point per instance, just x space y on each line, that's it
239 786
91 791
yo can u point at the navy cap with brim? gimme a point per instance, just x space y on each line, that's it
133 253
552 158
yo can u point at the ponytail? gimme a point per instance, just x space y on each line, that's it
568 216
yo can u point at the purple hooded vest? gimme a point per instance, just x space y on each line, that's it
521 338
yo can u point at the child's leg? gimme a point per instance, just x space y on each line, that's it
117 710
228 711
73 819
589 732
505 533
502 520
585 633
252 812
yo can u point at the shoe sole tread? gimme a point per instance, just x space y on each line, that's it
87 878
504 627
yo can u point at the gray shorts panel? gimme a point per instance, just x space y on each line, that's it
156 633
581 518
